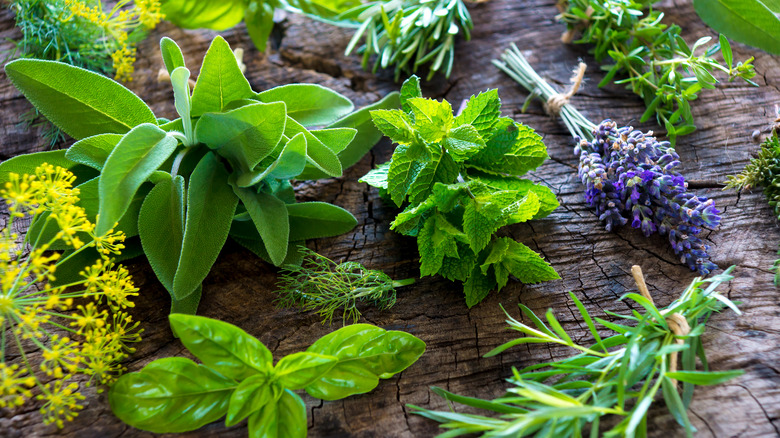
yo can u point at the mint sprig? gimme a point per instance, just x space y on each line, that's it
459 179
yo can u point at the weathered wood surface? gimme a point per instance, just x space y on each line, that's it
594 263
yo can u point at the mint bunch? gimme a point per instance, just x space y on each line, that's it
459 177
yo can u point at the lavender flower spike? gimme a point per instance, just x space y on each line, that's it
630 176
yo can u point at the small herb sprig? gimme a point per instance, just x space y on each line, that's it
319 284
459 178
763 171
628 174
406 34
222 169
238 379
619 375
657 63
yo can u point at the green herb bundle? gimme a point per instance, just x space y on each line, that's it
763 171
221 169
657 63
459 178
324 286
238 379
406 34
619 375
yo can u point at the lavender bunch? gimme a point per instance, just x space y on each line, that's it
629 175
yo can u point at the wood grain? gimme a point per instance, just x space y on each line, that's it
593 263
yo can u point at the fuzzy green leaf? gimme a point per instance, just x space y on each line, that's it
93 151
321 156
750 22
313 220
269 214
171 54
220 80
309 104
161 227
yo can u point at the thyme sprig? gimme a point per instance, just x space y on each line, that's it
657 64
319 284
619 375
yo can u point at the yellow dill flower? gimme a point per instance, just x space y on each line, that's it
149 13
95 340
124 58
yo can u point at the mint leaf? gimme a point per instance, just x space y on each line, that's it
481 112
409 90
478 286
548 202
459 268
509 257
432 119
408 221
440 168
402 173
394 124
437 239
514 149
377 177
463 142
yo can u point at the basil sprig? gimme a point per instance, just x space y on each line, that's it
220 170
238 380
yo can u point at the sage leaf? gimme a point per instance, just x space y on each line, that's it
222 346
298 370
216 15
93 151
363 351
171 395
748 21
269 215
210 208
189 304
171 54
180 81
259 20
220 80
26 164
285 418
256 245
80 102
140 152
244 135
312 220
289 164
309 104
318 154
161 228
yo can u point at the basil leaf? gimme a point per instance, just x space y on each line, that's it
161 227
269 215
216 15
210 208
220 80
748 21
286 418
298 370
244 135
171 54
80 102
224 347
251 395
312 220
362 349
93 151
309 104
171 395
140 152
259 20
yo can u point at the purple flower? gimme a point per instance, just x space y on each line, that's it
628 174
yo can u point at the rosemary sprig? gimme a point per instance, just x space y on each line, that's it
656 62
321 285
406 34
619 375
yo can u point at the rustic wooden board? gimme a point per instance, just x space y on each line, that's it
593 263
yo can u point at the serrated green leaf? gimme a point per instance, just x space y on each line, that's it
269 214
409 90
509 257
222 347
244 135
211 204
173 394
309 104
459 269
439 168
394 124
432 119
401 174
377 177
437 239
514 149
80 102
140 152
463 143
220 80
482 112
161 228
409 221
548 202
478 286
93 151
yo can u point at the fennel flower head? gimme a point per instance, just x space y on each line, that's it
58 337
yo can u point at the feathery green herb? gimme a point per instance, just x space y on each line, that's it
459 178
657 63
319 284
619 375
238 379
763 171
222 169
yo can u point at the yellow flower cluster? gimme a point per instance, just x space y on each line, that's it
91 339
116 26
